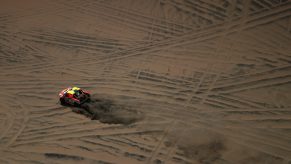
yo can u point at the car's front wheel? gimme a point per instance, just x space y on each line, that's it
62 101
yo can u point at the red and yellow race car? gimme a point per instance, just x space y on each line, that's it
74 96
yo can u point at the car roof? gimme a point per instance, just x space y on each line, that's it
73 90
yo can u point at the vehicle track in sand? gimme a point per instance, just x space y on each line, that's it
254 21
185 66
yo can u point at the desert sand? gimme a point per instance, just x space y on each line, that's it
186 81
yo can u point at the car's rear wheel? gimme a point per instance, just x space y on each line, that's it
88 97
76 104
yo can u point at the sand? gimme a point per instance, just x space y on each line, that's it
185 81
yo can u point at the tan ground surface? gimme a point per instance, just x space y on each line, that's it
203 81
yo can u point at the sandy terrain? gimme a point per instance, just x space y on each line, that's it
186 81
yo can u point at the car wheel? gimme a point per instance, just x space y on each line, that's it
76 104
62 101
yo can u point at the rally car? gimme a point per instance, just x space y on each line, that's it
74 96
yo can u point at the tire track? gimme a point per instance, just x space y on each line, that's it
189 38
160 143
149 84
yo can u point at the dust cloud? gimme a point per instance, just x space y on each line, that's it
107 110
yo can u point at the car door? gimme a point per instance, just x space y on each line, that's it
69 99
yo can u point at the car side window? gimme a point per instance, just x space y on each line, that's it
78 93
